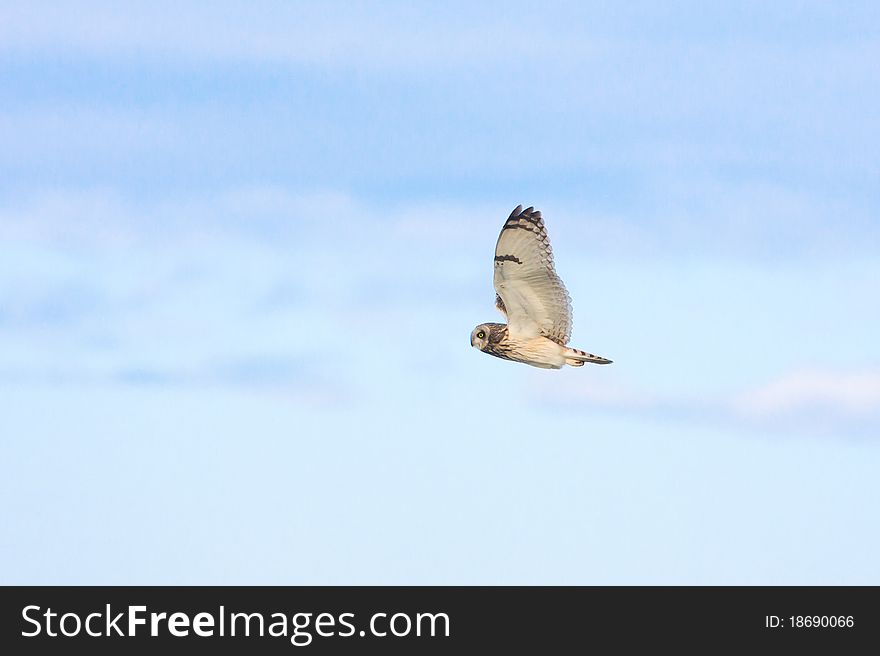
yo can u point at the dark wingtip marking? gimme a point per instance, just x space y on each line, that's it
528 219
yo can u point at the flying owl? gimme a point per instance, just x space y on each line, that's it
532 298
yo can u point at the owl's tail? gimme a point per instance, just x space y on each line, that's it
577 358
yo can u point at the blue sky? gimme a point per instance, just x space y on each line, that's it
241 253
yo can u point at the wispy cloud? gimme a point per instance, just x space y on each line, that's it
746 221
392 34
100 288
209 278
344 34
848 395
269 373
743 220
837 403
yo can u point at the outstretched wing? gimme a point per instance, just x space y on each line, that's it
534 299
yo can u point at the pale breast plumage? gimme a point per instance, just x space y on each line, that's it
529 292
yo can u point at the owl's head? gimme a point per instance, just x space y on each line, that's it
480 337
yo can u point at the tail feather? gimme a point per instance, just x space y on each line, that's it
577 358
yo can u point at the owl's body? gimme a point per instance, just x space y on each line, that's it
532 297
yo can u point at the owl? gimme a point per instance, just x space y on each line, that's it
532 298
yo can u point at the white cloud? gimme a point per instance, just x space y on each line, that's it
323 33
96 273
806 402
95 278
266 217
850 394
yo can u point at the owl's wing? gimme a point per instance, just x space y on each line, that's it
533 297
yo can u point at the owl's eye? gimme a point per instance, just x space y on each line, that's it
481 335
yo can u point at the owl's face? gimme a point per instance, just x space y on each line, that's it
480 337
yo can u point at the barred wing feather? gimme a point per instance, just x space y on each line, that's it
532 295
